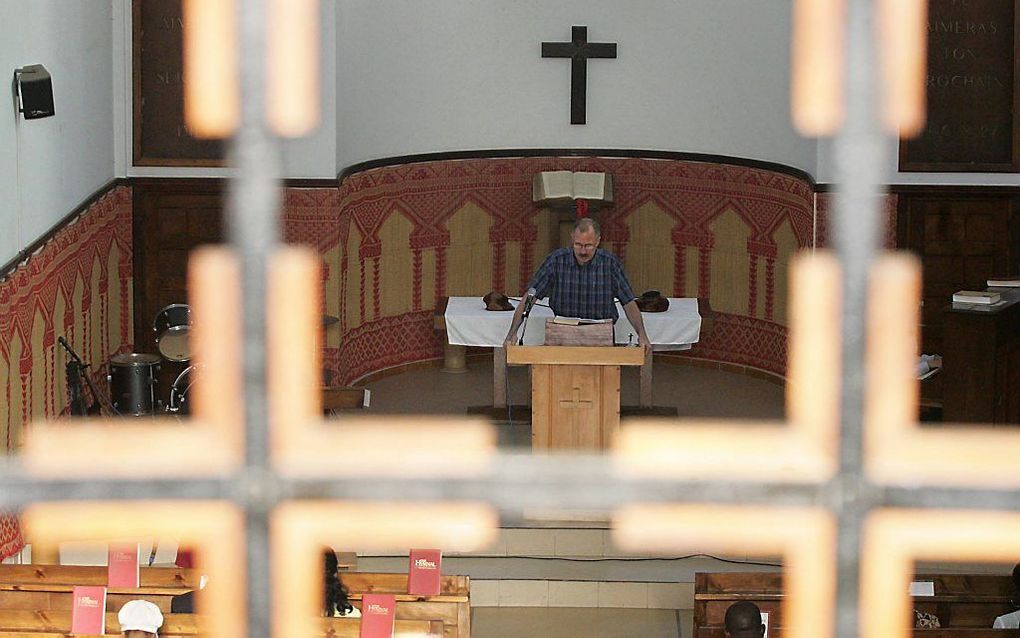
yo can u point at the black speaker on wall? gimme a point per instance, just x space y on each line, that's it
35 90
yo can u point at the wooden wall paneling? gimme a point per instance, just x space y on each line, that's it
160 136
963 237
172 217
972 99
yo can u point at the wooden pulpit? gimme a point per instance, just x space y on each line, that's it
575 393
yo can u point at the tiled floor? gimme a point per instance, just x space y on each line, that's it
557 622
693 391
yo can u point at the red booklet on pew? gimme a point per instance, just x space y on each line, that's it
378 612
123 565
424 571
88 611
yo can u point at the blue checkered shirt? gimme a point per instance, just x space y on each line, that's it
582 291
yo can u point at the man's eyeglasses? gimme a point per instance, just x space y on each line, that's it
584 246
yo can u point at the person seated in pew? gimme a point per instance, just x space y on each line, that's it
1012 619
183 604
139 619
743 620
581 282
337 604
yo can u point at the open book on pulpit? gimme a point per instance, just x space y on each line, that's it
570 331
577 321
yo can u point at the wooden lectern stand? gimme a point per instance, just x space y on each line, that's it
575 393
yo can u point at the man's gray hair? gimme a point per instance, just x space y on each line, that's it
585 224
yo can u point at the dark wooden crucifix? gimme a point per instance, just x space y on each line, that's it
578 50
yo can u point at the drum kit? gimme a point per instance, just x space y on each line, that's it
134 376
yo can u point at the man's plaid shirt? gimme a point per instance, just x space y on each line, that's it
582 291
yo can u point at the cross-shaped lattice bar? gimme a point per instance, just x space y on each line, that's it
926 494
802 489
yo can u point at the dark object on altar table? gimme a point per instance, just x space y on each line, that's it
329 320
652 301
497 301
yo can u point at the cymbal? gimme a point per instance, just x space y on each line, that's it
329 320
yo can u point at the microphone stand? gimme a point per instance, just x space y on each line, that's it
529 303
75 390
75 373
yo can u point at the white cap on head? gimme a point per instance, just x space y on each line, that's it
140 615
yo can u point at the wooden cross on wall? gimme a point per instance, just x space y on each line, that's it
579 50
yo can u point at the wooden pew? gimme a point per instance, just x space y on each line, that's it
452 606
48 587
961 601
50 624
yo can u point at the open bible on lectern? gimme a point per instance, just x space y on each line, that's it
577 321
560 331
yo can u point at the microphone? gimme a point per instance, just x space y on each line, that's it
529 301
74 355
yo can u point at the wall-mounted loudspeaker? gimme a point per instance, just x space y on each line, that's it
35 91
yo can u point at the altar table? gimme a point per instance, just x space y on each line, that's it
468 323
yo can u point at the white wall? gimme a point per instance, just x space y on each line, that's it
707 76
50 166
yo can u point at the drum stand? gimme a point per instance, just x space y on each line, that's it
176 397
75 373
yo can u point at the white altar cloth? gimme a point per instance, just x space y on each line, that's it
468 323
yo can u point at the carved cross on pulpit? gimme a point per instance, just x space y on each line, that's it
576 403
579 50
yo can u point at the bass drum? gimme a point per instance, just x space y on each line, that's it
180 390
132 379
171 327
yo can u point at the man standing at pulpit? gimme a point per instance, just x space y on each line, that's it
582 281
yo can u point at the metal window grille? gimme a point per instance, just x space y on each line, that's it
847 490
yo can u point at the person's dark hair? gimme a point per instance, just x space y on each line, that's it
1016 577
585 224
743 619
336 594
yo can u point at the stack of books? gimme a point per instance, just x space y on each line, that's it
976 297
1004 282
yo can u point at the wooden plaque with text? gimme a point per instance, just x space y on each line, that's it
160 137
970 86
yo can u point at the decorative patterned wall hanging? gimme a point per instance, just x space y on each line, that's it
77 286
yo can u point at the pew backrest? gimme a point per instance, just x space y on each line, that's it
49 624
961 601
452 606
149 577
381 583
48 587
